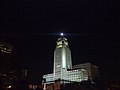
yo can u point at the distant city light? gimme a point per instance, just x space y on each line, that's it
61 34
9 86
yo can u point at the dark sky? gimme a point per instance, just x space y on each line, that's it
91 26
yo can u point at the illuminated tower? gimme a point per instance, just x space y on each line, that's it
62 59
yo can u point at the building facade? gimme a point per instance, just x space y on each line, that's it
92 70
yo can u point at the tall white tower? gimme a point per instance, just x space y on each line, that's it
62 59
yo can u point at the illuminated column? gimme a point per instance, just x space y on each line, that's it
63 57
44 86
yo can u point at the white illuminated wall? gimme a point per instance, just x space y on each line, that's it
77 75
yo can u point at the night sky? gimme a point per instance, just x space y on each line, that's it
91 27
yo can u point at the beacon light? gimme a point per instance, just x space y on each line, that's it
61 34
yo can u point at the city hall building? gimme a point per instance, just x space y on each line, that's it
63 69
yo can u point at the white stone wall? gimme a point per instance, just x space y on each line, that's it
48 77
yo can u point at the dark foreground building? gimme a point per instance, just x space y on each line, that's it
10 76
84 85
